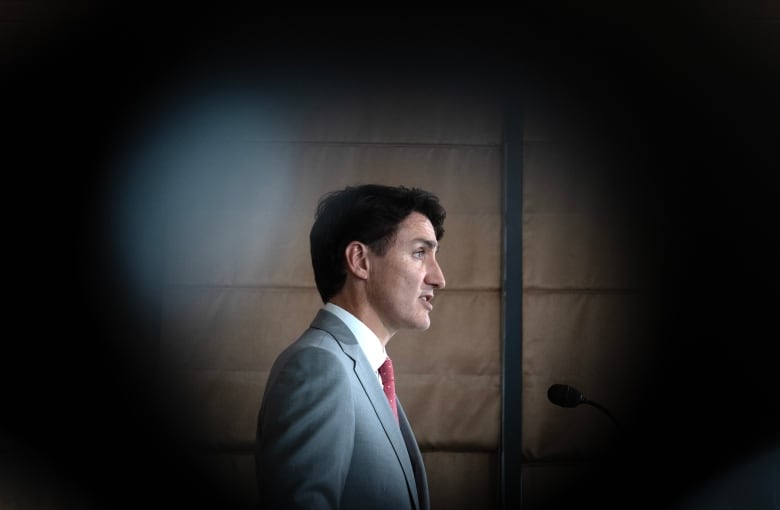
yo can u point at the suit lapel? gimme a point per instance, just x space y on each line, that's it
368 380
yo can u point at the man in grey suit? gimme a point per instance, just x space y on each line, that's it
330 433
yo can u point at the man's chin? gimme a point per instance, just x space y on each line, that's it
423 325
420 323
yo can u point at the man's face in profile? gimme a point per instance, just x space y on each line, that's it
401 283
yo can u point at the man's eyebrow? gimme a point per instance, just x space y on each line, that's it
433 245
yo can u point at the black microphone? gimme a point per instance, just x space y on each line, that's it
565 396
568 396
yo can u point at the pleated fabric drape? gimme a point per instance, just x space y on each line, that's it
241 196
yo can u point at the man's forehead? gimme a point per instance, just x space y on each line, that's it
417 225
417 231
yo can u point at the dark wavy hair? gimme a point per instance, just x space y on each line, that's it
369 214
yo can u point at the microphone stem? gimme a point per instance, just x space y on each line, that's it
602 409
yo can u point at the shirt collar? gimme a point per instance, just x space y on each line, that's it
368 341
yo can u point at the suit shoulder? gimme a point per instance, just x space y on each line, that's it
314 346
313 340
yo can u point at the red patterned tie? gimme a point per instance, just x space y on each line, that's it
388 384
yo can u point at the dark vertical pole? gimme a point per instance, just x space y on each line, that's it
512 305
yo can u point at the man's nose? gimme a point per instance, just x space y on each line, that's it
435 276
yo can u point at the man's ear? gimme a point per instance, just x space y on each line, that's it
357 259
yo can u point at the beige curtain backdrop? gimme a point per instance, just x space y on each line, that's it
239 286
586 312
238 283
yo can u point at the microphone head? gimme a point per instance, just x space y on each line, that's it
564 395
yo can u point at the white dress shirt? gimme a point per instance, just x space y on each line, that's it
369 343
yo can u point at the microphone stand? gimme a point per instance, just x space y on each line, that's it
602 409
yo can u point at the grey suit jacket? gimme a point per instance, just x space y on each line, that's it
326 436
